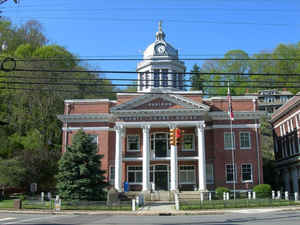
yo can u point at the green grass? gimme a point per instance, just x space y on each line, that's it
6 204
240 203
9 204
97 207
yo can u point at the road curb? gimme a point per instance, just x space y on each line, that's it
152 213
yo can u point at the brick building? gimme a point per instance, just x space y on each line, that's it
286 130
133 132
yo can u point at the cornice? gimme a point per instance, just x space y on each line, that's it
89 100
86 118
238 115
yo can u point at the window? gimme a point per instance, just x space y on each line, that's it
95 138
174 80
187 175
133 143
156 78
209 173
246 172
229 141
112 175
165 78
245 140
188 142
229 173
135 174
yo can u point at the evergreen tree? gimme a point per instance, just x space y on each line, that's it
79 176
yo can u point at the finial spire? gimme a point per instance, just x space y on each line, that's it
160 35
159 26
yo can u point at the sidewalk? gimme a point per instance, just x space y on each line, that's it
157 210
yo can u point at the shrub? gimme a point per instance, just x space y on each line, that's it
263 190
220 191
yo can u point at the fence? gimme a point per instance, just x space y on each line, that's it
210 200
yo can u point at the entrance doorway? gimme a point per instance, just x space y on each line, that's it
160 145
159 175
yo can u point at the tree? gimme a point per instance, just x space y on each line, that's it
197 78
79 174
12 174
215 76
267 150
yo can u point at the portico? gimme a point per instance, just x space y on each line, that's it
150 155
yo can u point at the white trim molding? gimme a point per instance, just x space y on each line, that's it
88 129
99 117
88 100
286 119
234 126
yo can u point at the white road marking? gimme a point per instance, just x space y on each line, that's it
32 219
255 210
7 218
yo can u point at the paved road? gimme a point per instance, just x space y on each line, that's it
258 217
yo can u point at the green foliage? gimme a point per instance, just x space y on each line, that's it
32 137
79 176
12 173
263 190
220 191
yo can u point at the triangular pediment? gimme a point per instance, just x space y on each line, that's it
160 102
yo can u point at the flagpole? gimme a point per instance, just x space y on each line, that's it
231 134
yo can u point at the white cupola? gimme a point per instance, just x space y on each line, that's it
160 67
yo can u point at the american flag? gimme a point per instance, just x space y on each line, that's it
230 112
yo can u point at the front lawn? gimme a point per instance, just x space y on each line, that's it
239 203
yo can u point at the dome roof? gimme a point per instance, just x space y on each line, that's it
160 48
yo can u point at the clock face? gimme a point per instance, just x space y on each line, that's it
160 49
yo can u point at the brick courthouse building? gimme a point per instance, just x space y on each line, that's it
132 132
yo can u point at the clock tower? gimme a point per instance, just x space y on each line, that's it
160 67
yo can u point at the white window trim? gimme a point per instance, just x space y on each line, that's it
247 181
193 143
246 148
234 145
133 150
235 174
193 182
134 170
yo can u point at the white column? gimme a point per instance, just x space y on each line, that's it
146 158
174 167
201 157
118 158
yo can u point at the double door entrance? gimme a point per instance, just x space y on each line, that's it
160 177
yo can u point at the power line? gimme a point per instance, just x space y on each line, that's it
134 80
158 59
150 72
135 85
128 92
142 20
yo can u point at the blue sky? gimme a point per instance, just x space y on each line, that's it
197 28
